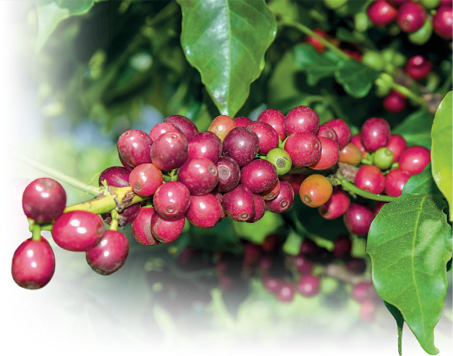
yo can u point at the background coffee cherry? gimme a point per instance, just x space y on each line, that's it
285 292
315 190
301 118
394 102
342 246
443 21
315 43
188 128
375 133
418 67
411 16
423 34
308 285
381 12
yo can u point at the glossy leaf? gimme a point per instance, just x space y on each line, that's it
410 244
357 79
226 41
441 153
416 128
52 12
422 183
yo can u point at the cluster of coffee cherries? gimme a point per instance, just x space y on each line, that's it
414 17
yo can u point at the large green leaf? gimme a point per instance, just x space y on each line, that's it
399 324
410 244
226 41
52 12
441 154
258 231
416 128
357 79
422 183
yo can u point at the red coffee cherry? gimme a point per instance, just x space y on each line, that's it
205 145
381 12
418 67
188 128
284 199
330 154
336 206
268 137
317 45
443 21
397 145
394 101
375 134
301 118
161 128
342 246
395 181
260 208
370 179
342 130
304 148
241 144
134 147
242 121
276 119
411 16
351 154
356 140
141 227
204 211
169 151
358 218
414 159
259 175
167 230
145 179
171 200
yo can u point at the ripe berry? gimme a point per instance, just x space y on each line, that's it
286 292
351 154
110 253
308 285
356 140
358 218
315 190
342 130
301 118
271 243
395 181
241 144
188 128
378 206
271 284
370 179
418 67
368 310
330 154
260 208
304 148
199 175
171 200
44 200
356 265
336 206
115 177
276 119
375 134
167 230
381 12
204 211
308 248
411 16
259 175
239 203
169 151
394 101
221 126
284 199
141 227
317 44
414 159
125 217
326 131
280 159
242 121
161 128
272 192
302 263
267 136
145 179
205 145
383 158
362 291
397 145
78 230
134 147
229 174
295 180
443 21
33 264
342 246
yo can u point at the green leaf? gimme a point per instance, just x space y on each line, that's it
357 79
52 12
399 324
422 183
317 66
441 154
410 244
416 128
226 41
257 231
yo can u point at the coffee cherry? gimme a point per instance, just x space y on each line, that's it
78 230
43 200
115 177
301 118
330 154
167 230
271 243
302 263
342 130
280 159
33 264
242 121
304 148
241 144
199 175
397 3
260 208
336 206
169 151
205 145
239 203
315 190
286 292
395 181
394 101
272 192
356 265
134 147
357 140
328 132
378 206
141 227
411 16
397 145
171 200
443 21
161 128
362 291
267 136
308 285
13 191
125 217
370 179
259 175
383 158
221 126
110 254
219 197
295 180
271 284
373 60
308 248
375 134
276 119
418 67
188 128
334 4
342 246
414 159
381 12
423 34
145 179
204 211
284 199
351 154
229 174
315 43
368 310
358 218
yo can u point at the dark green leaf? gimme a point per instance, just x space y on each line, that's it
317 66
52 12
422 183
356 78
441 154
410 243
399 324
416 128
226 41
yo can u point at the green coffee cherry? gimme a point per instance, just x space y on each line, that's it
388 55
334 4
383 158
430 4
382 87
373 60
328 285
399 60
280 159
361 22
423 34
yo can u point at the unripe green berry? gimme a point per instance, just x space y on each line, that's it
382 87
388 54
361 22
334 4
328 285
430 4
390 69
373 60
280 159
383 158
423 34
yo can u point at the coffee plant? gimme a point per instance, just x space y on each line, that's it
303 148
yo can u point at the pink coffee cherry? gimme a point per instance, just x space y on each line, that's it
330 154
276 119
145 179
370 179
33 264
368 310
169 151
397 145
342 130
418 67
204 211
171 200
167 230
375 133
242 121
358 218
394 101
381 12
241 144
414 159
239 203
141 227
199 175
134 147
286 292
315 43
443 21
304 148
206 144
272 192
327 131
302 263
356 140
259 175
411 16
267 136
301 118
161 128
283 201
395 181
271 284
336 206
188 128
308 285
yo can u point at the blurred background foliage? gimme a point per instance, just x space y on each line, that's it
98 68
